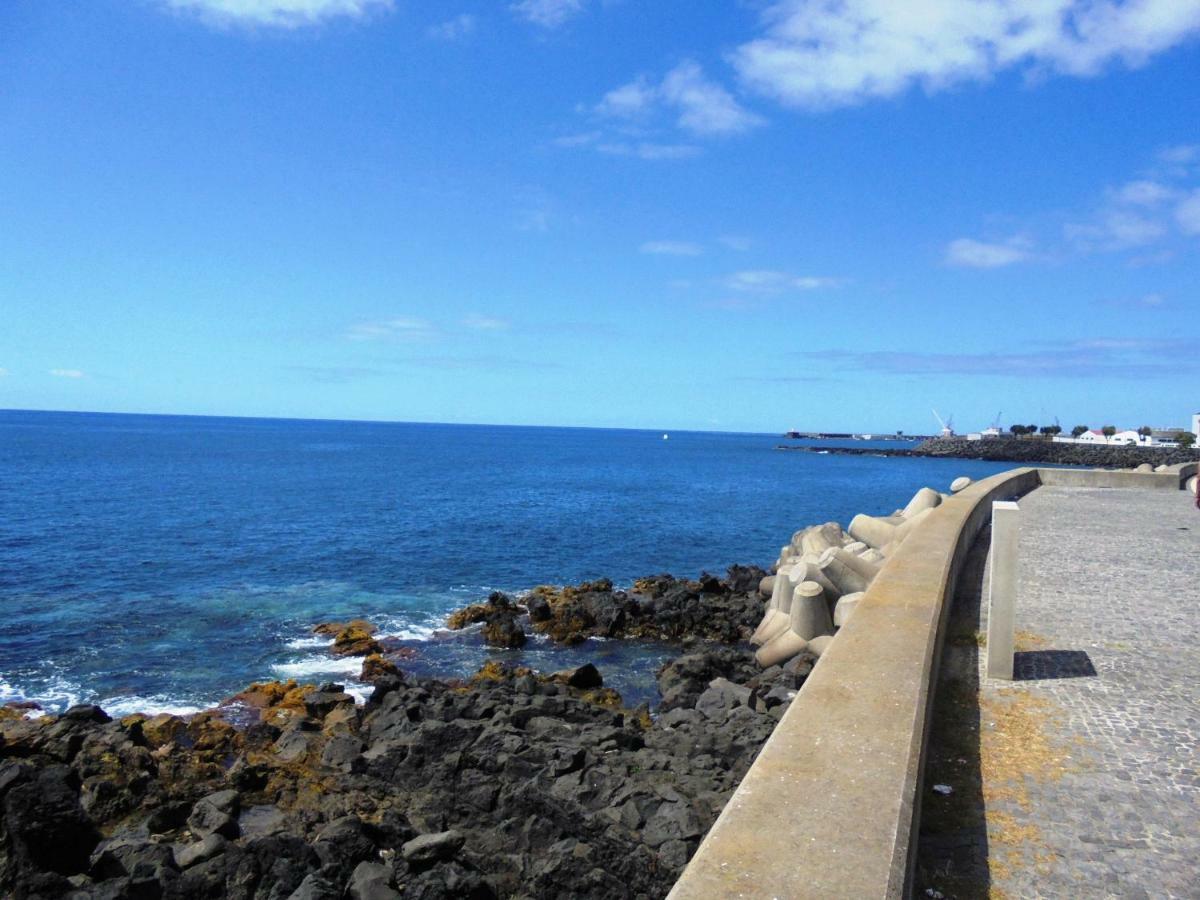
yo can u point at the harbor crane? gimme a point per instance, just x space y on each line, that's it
947 424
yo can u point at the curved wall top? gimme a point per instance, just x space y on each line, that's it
827 809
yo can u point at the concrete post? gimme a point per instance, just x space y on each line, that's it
1002 589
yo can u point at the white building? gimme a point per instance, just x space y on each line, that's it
1121 438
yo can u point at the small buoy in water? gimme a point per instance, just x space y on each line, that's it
666 437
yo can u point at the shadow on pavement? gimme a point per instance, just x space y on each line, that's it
1044 665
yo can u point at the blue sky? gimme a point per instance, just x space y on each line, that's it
742 216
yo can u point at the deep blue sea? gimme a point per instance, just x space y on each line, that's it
164 562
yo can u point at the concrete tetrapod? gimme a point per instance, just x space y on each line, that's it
809 619
903 530
925 498
819 645
813 572
848 572
846 605
872 531
782 648
819 538
810 611
1145 467
779 607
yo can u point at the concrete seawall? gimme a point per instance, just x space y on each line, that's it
830 806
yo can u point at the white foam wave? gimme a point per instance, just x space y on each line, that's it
308 643
125 706
359 691
319 665
410 632
54 695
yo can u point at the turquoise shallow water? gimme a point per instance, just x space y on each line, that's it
158 562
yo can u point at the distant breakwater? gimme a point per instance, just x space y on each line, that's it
1112 456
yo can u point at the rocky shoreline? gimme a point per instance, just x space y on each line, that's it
507 784
1024 451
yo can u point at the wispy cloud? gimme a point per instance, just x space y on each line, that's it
3 371
1142 192
486 323
278 13
1187 214
970 253
547 13
629 101
1180 154
1178 161
649 150
1089 358
671 248
453 29
66 373
768 281
817 55
704 107
700 106
1114 229
398 329
1163 202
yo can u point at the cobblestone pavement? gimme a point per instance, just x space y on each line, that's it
1088 766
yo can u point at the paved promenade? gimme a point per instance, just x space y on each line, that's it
1081 778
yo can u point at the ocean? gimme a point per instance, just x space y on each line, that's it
162 563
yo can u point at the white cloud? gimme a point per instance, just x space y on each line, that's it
701 106
547 13
671 248
279 13
396 329
649 150
629 100
767 281
3 372
1142 193
829 53
66 373
1187 214
485 323
1181 154
983 255
1115 229
452 29
704 106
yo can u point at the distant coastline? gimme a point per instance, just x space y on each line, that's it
1016 450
